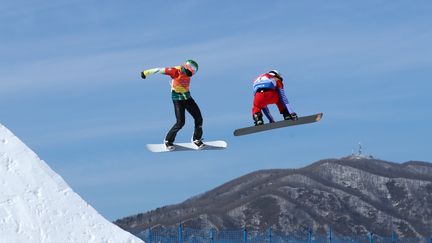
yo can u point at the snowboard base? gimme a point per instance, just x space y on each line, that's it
279 124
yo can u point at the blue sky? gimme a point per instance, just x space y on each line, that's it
70 88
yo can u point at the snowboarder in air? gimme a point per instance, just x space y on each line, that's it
182 100
269 89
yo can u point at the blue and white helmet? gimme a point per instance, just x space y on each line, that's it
276 74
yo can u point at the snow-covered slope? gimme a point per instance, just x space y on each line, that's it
36 204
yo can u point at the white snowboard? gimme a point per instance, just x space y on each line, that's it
209 145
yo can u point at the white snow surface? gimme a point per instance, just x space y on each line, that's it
37 205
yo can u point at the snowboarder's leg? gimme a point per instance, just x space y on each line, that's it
195 112
179 110
259 103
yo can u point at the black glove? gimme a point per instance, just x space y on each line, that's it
143 75
294 116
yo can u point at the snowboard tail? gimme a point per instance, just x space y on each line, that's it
279 124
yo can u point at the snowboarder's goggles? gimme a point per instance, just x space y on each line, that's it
189 70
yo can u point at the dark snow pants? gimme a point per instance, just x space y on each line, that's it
180 106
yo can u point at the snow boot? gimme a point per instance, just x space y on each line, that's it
199 143
258 119
169 145
289 116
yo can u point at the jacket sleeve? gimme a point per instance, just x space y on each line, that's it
284 98
267 113
153 71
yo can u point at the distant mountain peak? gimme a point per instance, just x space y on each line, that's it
359 154
358 157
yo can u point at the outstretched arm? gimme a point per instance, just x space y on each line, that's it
151 71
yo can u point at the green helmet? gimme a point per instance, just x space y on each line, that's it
190 67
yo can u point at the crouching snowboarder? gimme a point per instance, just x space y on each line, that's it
269 89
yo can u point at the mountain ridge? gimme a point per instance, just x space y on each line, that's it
352 195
